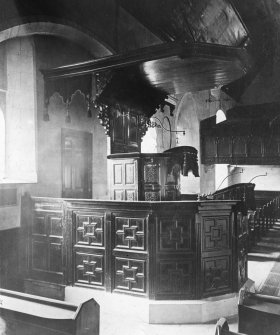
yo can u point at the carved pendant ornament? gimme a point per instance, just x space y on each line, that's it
107 91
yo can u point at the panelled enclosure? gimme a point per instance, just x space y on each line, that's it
159 250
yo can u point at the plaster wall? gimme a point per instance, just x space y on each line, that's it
53 52
193 108
159 138
262 182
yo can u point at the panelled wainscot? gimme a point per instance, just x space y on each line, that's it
159 250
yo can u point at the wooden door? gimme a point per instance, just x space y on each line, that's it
76 164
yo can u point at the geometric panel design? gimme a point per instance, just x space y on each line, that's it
90 229
89 269
130 275
46 259
176 277
175 234
130 233
216 273
215 233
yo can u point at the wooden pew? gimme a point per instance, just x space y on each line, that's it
258 314
25 314
222 328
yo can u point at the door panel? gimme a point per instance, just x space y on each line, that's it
76 164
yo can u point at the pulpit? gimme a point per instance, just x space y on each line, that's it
150 177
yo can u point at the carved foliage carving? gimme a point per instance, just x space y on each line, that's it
130 233
215 233
175 234
89 269
130 275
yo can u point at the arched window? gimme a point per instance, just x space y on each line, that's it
220 116
2 144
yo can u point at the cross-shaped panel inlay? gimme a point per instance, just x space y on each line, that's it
175 234
215 233
89 268
130 233
90 230
130 274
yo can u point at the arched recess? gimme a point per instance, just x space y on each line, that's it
187 120
96 48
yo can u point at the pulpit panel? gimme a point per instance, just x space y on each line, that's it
175 256
217 253
130 251
89 248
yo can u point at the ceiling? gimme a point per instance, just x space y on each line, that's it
205 44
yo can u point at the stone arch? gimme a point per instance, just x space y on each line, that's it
96 48
187 120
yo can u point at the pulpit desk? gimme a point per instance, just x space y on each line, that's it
25 314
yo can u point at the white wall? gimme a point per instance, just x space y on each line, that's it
20 111
271 182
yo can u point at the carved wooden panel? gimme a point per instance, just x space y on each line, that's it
216 274
210 146
89 229
224 146
89 268
175 234
130 195
89 247
130 173
39 255
255 147
130 275
118 195
125 130
176 277
151 173
123 179
215 233
117 174
239 146
130 233
152 196
46 249
242 149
